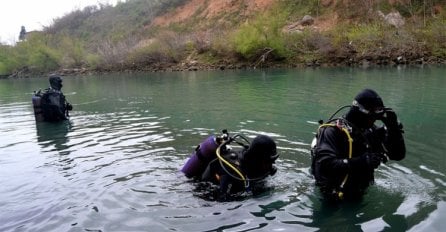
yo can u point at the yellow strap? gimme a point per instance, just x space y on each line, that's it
350 153
350 139
350 143
230 165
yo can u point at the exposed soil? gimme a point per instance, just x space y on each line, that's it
209 9
206 9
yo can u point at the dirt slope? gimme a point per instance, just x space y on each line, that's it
207 9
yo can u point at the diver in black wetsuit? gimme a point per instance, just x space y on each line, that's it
51 105
347 150
233 170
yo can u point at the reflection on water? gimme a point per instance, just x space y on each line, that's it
114 166
53 134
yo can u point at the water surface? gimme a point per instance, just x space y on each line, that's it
114 165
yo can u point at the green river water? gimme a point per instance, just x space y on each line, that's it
114 166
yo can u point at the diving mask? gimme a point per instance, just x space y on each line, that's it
377 112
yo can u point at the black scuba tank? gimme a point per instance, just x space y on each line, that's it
37 106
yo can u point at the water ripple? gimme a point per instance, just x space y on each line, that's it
114 166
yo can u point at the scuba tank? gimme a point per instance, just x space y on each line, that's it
37 105
232 162
203 154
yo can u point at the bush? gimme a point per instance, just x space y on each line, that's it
154 52
114 54
219 44
263 33
34 54
434 37
92 60
74 55
6 62
365 37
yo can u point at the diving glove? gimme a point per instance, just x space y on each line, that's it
390 119
366 161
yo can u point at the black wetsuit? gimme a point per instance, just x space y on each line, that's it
230 183
331 164
54 105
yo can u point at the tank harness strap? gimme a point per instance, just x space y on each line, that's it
350 150
231 166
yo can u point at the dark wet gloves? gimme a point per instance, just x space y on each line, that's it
365 161
394 128
390 119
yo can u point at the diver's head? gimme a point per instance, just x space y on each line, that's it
366 108
258 160
56 82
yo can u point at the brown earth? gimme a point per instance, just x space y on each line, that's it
206 9
209 9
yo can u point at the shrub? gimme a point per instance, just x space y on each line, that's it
74 52
92 60
115 53
434 37
263 33
34 53
6 65
153 52
365 37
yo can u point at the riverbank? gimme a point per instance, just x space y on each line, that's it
364 61
214 35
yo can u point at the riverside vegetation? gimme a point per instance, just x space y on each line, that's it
156 35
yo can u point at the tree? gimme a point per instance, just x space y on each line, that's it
22 33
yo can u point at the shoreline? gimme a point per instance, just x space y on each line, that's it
196 66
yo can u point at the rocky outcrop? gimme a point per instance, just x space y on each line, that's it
394 18
306 21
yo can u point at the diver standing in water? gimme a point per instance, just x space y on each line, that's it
347 150
51 105
233 170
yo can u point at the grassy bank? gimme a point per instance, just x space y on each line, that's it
84 41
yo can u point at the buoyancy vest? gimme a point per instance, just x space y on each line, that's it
342 125
53 105
226 163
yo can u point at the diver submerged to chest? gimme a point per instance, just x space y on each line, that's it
234 164
51 104
347 150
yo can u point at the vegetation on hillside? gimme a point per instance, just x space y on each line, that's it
107 38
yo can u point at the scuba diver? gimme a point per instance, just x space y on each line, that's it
347 150
51 105
234 169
